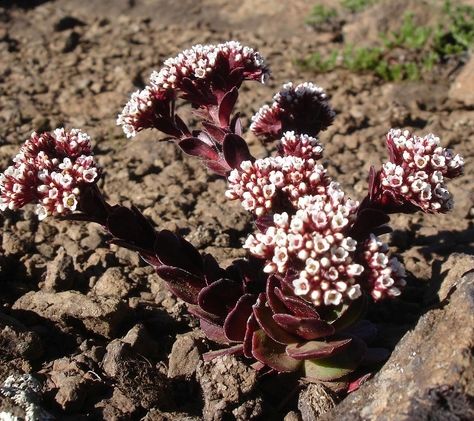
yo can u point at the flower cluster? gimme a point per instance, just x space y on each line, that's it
49 170
300 145
201 63
417 171
203 75
261 183
144 109
386 276
303 108
314 239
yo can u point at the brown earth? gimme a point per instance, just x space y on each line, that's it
99 329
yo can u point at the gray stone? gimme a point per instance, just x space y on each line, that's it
100 315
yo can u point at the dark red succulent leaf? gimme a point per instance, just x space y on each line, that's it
181 126
213 331
264 316
196 147
235 324
218 167
212 271
336 366
184 284
297 306
226 106
272 354
175 251
236 150
93 205
131 227
215 132
233 350
275 303
251 327
368 221
317 349
220 297
204 315
305 327
354 385
235 125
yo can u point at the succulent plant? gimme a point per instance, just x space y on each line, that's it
316 259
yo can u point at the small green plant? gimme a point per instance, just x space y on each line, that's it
423 46
321 14
356 6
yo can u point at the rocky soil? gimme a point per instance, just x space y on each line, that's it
97 330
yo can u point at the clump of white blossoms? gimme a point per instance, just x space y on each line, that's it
49 170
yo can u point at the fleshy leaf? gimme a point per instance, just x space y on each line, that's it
251 327
297 306
184 285
220 297
233 350
236 150
337 366
196 147
273 354
264 316
273 301
306 327
227 105
316 349
213 332
235 323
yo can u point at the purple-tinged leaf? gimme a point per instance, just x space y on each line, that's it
236 150
219 167
167 126
297 306
214 131
350 314
264 316
93 205
233 350
337 366
305 327
181 125
212 271
184 285
227 105
354 385
273 301
220 297
252 326
272 354
196 147
131 226
235 323
316 349
236 125
173 250
367 220
236 77
204 315
213 332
